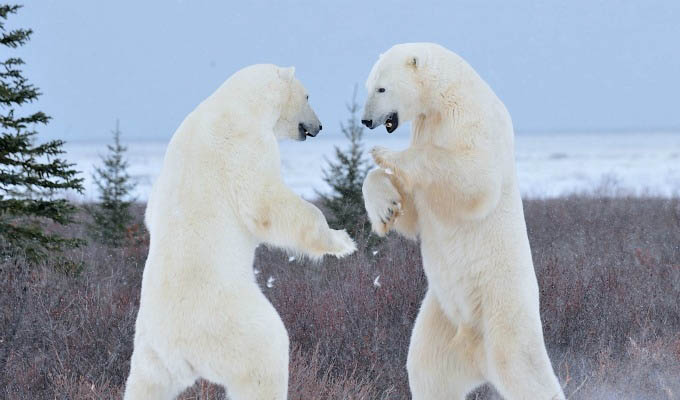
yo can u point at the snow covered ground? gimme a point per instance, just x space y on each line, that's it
548 165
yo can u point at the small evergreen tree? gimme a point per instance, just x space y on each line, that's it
345 176
31 175
112 216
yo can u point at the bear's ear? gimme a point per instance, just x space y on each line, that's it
420 60
287 74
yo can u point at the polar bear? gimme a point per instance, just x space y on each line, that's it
455 188
219 195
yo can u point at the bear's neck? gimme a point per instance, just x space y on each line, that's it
457 109
228 117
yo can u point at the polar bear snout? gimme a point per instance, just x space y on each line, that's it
310 130
308 123
390 120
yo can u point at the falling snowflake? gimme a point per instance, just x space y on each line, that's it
389 171
291 258
270 282
256 271
376 281
375 252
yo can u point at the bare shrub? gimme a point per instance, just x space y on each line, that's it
608 269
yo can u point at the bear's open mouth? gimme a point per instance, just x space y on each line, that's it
304 131
392 122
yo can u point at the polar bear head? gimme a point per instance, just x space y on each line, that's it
406 81
297 120
269 96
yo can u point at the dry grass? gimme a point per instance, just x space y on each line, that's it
609 272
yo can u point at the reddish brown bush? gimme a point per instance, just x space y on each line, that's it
609 272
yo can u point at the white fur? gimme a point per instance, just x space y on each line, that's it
219 195
457 191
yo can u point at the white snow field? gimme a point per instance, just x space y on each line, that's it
548 165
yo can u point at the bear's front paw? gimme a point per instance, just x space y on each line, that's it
384 158
341 244
384 215
382 201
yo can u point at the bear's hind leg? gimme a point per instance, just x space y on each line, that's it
441 360
519 366
149 378
247 351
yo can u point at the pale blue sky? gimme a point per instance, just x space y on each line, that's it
583 65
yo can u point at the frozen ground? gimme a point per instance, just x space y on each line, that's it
548 165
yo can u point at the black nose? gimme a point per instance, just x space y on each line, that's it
320 127
367 122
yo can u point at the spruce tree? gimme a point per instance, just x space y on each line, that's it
33 177
112 217
345 176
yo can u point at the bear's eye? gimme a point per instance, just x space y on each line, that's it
381 90
307 97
